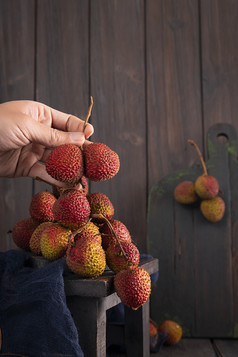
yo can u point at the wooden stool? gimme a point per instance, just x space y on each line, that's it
89 299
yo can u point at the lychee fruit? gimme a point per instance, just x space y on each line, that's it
36 237
100 204
72 209
54 241
100 162
213 210
133 287
120 230
86 258
41 206
185 192
118 260
65 163
172 330
89 230
206 186
22 231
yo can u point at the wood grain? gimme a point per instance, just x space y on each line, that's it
17 21
219 28
188 348
226 348
173 85
118 86
63 57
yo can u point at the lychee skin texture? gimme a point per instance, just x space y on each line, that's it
133 287
41 206
119 228
100 204
116 261
172 330
90 230
22 231
100 162
213 210
54 241
87 258
206 187
36 237
72 209
185 193
65 164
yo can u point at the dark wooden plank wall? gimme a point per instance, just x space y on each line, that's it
160 71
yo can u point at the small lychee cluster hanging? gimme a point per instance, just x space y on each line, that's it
70 222
205 188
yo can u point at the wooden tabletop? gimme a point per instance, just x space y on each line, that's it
100 286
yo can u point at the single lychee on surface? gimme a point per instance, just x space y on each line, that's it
185 192
72 209
41 206
100 204
86 258
133 287
36 237
100 162
120 230
90 230
22 231
65 163
54 241
172 330
117 261
213 210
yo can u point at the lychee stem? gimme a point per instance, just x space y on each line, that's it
199 154
101 216
88 114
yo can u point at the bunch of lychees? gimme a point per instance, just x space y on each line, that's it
70 222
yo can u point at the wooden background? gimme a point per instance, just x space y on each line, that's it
160 72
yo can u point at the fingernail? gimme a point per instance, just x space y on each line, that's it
77 136
88 131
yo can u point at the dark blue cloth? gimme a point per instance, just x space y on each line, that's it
34 318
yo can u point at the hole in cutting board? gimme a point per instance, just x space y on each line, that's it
222 138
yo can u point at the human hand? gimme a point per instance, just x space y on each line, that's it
28 132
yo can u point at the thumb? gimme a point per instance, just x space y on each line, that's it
50 137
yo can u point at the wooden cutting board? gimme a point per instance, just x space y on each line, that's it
198 283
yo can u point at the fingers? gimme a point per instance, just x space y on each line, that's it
38 171
70 123
42 134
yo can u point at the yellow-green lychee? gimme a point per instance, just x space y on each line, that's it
213 210
90 230
54 241
100 204
86 258
185 192
36 237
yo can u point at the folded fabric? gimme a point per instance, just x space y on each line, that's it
34 318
